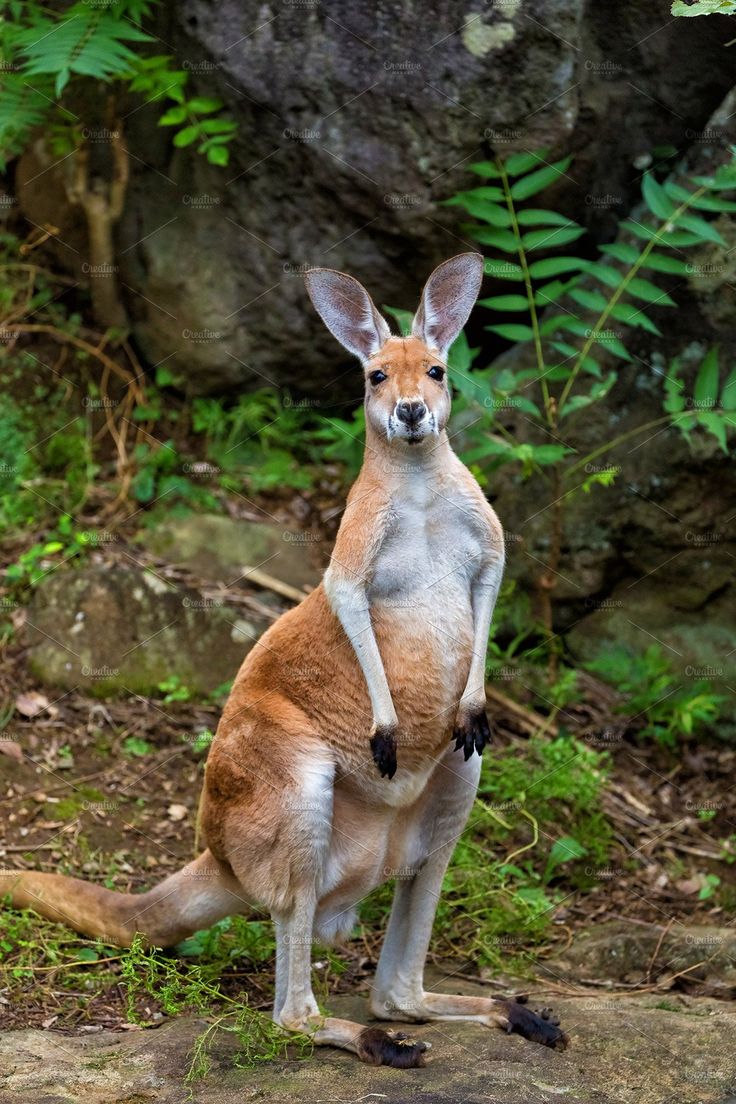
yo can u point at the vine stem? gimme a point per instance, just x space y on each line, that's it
613 300
527 846
521 252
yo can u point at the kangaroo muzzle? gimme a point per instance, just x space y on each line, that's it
410 413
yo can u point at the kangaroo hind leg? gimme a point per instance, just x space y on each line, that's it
296 1008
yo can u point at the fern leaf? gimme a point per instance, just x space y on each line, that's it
484 191
724 179
621 252
553 266
533 216
480 208
512 331
649 293
634 316
661 262
500 239
715 424
701 203
591 300
506 303
562 322
551 239
656 199
520 163
666 235
21 109
728 394
698 225
611 277
554 290
504 270
705 391
537 181
82 41
487 169
590 365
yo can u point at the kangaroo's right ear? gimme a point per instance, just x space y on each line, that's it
347 311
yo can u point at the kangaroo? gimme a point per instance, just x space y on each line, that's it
349 750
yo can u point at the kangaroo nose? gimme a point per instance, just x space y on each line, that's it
410 412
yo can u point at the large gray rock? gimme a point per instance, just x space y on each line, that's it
110 629
623 1051
221 549
354 123
703 958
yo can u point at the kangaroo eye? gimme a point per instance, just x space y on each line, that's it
377 377
436 373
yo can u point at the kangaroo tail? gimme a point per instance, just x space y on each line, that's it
195 897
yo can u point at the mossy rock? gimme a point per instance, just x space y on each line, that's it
109 629
223 548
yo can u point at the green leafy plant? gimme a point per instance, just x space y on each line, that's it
174 690
265 438
63 543
539 807
703 7
49 52
192 982
135 747
653 694
710 885
564 305
202 741
44 462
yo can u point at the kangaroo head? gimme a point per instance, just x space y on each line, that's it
407 397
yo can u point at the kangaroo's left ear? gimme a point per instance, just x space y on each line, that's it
447 300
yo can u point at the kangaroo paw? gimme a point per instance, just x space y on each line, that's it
390 1048
472 734
383 746
540 1027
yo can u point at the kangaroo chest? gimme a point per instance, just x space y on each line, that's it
431 551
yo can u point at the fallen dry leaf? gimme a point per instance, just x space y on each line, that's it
31 704
11 749
690 885
177 812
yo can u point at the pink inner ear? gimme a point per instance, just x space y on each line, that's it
348 311
447 300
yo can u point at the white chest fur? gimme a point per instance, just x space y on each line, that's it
432 549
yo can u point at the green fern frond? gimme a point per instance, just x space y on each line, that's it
84 41
21 109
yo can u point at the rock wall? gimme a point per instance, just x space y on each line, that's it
355 122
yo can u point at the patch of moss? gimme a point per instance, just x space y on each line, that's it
69 808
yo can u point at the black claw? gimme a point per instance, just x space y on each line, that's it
482 733
383 746
473 734
540 1027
